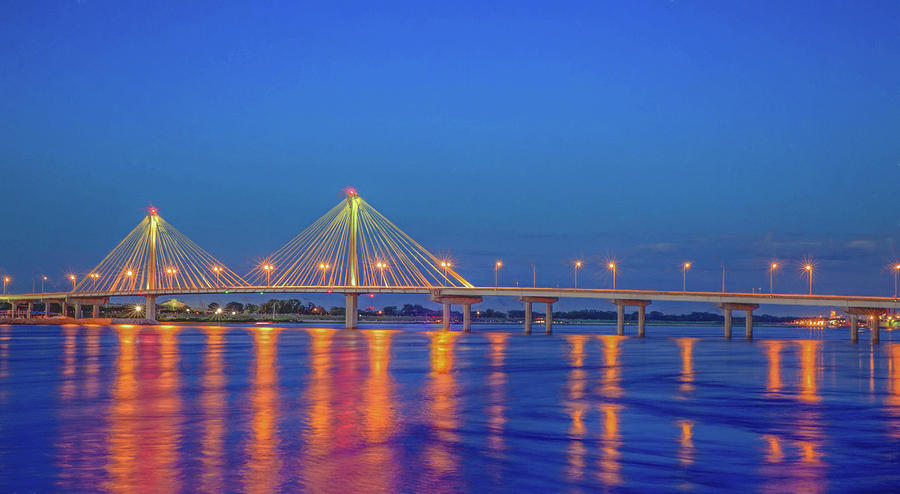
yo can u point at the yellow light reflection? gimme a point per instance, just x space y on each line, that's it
610 466
213 401
687 363
686 442
773 355
264 461
442 396
123 441
70 349
808 371
893 398
610 380
318 471
496 382
774 452
380 415
576 385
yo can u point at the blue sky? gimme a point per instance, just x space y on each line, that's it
655 132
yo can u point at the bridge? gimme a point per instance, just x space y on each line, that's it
351 250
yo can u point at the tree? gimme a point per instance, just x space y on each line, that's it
212 307
390 310
234 307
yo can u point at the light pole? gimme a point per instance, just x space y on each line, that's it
809 272
5 282
43 279
577 265
533 276
217 270
497 266
382 265
94 278
612 267
444 266
268 269
72 279
772 268
896 272
684 269
323 267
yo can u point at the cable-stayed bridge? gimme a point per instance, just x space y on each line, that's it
353 249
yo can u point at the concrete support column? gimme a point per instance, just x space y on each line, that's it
467 318
29 307
728 323
548 319
64 308
12 309
150 309
528 307
77 310
620 319
748 324
875 328
445 317
350 313
95 310
46 309
854 328
642 315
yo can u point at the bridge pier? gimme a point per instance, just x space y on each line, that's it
351 314
445 316
854 328
63 308
447 302
727 323
872 315
528 317
620 315
95 310
150 307
29 307
748 322
77 310
548 318
529 312
12 309
467 318
46 309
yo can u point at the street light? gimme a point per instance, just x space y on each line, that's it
577 265
809 273
217 270
43 279
323 267
772 268
497 266
5 282
612 267
381 265
94 277
72 279
268 269
444 266
684 269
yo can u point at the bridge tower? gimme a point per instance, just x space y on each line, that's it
353 201
153 217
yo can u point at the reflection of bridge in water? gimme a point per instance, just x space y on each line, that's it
353 250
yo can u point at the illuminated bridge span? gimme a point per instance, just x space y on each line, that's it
353 249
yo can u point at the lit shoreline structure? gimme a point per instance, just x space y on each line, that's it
353 245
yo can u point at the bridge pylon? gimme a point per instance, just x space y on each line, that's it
353 245
156 256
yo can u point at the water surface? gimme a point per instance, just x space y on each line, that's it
214 408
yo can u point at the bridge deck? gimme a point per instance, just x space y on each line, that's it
843 301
